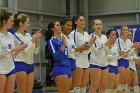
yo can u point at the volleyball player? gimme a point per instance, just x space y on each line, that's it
83 45
98 59
8 51
59 50
24 60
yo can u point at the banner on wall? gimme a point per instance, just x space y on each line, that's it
134 28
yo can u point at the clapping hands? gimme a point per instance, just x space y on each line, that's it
136 45
63 40
92 41
36 36
123 54
18 48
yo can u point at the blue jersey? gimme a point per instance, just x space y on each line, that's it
61 58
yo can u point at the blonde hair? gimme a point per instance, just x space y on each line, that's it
19 18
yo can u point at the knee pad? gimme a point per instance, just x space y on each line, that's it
136 89
125 86
76 90
120 87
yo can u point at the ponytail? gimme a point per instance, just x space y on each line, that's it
49 33
75 18
19 18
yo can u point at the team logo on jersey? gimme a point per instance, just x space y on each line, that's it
86 42
101 47
73 46
3 48
9 46
114 54
66 51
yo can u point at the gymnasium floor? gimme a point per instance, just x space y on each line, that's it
48 90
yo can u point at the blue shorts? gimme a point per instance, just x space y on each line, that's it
10 73
73 64
61 70
123 63
99 67
113 69
21 66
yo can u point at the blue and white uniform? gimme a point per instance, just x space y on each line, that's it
7 66
123 46
132 55
98 57
132 64
71 51
79 40
24 60
113 56
62 64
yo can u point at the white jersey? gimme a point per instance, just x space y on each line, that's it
71 46
6 59
126 46
122 45
132 55
132 64
27 54
113 56
98 53
79 39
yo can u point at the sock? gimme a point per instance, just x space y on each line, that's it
128 90
120 87
125 86
114 91
76 90
136 89
83 90
108 90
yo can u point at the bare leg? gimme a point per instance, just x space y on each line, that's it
30 82
2 83
62 83
95 79
21 78
104 81
10 82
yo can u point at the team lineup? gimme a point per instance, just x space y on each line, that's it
106 63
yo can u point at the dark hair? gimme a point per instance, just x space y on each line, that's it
49 33
19 18
4 16
75 18
109 32
131 31
64 20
